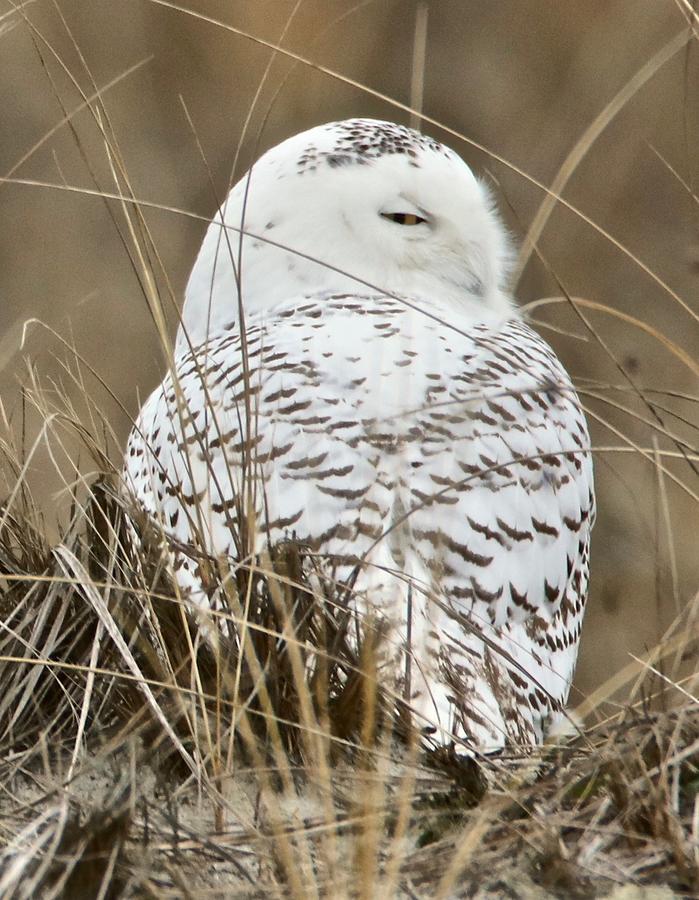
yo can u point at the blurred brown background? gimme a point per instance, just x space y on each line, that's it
524 78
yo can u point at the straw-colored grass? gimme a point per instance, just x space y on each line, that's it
140 760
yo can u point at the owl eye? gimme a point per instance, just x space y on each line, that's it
404 218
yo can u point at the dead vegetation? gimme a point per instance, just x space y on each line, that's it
141 760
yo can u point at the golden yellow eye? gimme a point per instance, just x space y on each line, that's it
404 218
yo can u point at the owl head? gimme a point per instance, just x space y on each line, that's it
359 206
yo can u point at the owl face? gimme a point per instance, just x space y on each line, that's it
354 206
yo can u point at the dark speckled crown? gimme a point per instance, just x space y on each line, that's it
360 141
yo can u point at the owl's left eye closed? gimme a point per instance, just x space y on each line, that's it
403 218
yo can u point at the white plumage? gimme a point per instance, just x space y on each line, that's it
392 411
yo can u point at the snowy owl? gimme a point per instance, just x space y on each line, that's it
350 358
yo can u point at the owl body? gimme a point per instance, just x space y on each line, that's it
402 451
418 438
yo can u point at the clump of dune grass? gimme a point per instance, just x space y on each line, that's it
141 757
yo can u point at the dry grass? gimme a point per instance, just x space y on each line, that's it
140 761
143 759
